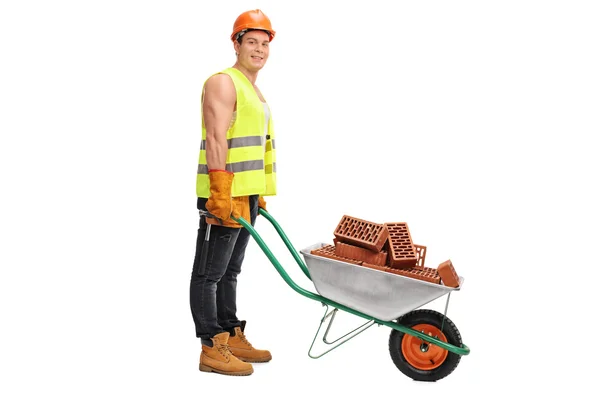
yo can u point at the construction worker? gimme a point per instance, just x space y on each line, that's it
236 168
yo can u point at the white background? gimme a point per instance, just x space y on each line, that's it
473 121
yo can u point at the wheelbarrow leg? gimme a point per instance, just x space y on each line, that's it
348 336
333 314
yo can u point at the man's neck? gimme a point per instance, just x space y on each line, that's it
249 74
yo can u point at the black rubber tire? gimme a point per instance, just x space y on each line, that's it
425 317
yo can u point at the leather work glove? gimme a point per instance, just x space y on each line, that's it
219 203
262 203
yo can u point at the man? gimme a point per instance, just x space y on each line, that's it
236 168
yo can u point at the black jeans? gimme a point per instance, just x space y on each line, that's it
213 291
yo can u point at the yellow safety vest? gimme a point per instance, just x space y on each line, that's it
254 169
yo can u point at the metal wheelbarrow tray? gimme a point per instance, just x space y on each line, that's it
425 345
383 295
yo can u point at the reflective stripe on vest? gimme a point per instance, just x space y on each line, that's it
242 166
240 142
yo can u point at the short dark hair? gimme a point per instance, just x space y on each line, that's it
239 38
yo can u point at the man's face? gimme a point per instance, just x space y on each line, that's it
254 50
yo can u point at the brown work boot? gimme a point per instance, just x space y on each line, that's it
242 349
219 359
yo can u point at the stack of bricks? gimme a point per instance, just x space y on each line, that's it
386 247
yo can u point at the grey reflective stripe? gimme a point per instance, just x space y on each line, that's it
245 166
270 168
238 142
244 141
236 167
273 143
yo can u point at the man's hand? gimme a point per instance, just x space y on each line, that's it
219 203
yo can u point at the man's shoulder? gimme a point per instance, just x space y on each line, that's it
220 76
219 81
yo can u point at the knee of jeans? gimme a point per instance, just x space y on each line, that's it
211 275
233 269
231 276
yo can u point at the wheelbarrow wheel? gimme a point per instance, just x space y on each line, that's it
418 359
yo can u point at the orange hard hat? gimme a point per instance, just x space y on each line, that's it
253 19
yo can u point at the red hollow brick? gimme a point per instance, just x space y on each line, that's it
374 266
448 274
425 274
361 233
402 252
360 253
325 249
421 251
328 251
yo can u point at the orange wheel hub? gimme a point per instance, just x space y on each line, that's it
421 354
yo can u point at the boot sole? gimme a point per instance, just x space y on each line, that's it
206 368
255 360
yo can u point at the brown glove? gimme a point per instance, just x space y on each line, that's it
219 203
241 208
262 203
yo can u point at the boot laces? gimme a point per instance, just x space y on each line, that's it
224 349
244 339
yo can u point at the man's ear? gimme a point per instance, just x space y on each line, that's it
236 47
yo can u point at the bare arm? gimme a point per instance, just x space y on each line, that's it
218 103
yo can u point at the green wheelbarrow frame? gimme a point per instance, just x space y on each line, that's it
462 350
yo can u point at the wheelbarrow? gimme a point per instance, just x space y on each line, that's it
424 344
